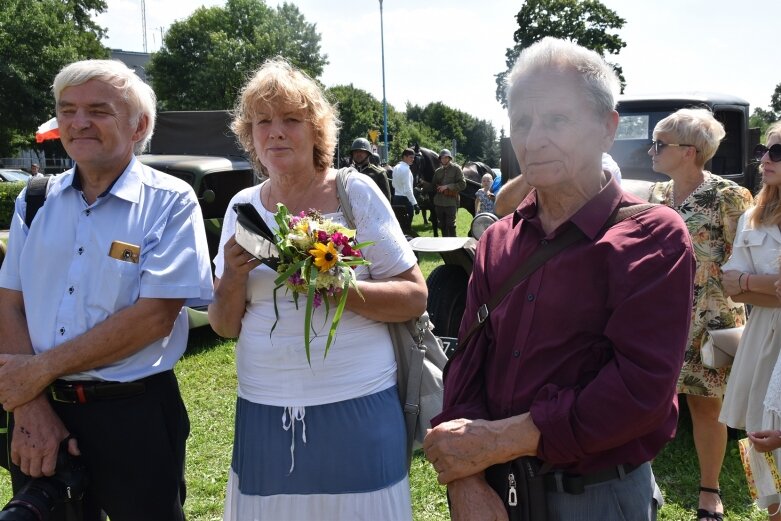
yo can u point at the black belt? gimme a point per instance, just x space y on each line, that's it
558 481
64 391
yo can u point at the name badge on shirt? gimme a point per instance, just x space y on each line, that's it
124 251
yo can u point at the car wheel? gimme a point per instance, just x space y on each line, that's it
447 298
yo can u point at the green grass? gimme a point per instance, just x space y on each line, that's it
208 381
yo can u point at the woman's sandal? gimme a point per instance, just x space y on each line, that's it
707 514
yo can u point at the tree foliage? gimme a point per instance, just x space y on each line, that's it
585 22
206 58
38 38
775 100
359 112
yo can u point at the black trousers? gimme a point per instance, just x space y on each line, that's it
134 451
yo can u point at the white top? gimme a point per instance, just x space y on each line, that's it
62 266
272 367
402 181
754 250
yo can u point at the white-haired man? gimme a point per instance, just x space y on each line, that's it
92 295
577 365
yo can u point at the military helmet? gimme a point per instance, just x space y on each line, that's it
446 152
361 144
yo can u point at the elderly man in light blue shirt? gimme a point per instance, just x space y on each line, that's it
92 295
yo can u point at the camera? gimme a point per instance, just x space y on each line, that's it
39 498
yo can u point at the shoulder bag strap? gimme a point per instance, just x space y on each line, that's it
35 197
344 199
539 257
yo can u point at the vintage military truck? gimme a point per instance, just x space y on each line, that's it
199 148
638 115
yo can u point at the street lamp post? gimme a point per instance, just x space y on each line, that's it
384 99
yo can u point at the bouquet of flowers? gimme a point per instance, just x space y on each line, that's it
317 258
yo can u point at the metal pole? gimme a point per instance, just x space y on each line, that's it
384 99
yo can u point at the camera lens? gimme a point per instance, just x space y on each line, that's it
34 502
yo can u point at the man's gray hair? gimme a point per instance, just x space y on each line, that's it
139 96
599 78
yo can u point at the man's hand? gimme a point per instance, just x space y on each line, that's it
38 432
471 499
441 188
460 448
22 378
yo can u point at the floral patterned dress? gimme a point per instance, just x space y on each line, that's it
711 214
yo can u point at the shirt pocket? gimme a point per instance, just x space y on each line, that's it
120 284
751 239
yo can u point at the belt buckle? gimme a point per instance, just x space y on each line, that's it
81 396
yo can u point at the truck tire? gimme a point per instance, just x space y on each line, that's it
447 298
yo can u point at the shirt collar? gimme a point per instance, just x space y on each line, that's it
590 218
127 186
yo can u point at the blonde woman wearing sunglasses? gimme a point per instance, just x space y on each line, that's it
750 277
710 206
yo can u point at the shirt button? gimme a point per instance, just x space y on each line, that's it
88 212
530 297
62 330
516 353
544 242
70 290
81 250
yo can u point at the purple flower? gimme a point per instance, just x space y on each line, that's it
322 236
296 279
317 300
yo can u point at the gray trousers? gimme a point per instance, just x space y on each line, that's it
634 498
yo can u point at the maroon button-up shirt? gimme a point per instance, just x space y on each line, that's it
592 343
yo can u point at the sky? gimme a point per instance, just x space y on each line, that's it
451 50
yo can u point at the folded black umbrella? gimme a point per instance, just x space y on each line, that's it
254 235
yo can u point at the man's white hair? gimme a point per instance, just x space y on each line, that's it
139 96
599 78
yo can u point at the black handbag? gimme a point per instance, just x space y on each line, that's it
521 487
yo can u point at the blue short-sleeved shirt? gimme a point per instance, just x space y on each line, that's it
70 283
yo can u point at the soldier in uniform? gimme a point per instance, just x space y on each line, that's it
448 182
361 152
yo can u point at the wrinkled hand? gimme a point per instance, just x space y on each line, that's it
471 499
21 379
765 441
238 262
730 280
417 209
459 448
38 432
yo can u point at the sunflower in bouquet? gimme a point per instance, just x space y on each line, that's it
317 258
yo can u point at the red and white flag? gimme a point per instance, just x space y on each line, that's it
48 130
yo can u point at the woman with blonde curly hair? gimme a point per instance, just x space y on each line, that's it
324 440
749 276
710 206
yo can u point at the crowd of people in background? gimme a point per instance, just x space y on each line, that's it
588 392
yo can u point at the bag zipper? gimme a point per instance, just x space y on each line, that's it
512 493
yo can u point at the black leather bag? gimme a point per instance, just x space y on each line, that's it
521 487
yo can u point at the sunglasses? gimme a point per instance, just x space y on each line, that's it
658 146
774 152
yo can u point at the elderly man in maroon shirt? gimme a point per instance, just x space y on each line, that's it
577 365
